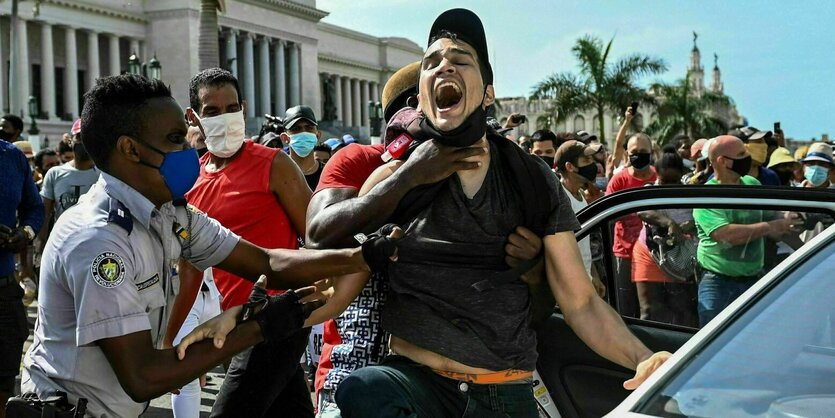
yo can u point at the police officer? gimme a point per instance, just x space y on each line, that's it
107 274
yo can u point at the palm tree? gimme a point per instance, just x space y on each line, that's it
680 111
207 43
600 85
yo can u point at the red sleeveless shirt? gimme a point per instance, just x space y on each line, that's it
239 197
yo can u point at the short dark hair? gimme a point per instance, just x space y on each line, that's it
41 154
323 148
210 77
670 159
64 147
564 137
113 107
545 135
482 68
15 120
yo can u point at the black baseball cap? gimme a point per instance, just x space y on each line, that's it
585 137
570 151
468 28
296 113
748 133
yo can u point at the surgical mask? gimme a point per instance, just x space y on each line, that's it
548 160
588 172
741 166
470 131
640 161
302 143
80 152
601 182
759 152
817 175
179 169
224 133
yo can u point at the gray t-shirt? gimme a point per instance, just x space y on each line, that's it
451 291
65 184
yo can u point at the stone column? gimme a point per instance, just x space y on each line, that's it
356 119
337 86
264 75
23 69
346 102
47 72
248 78
280 78
92 59
115 54
295 75
231 46
375 91
134 48
366 123
71 75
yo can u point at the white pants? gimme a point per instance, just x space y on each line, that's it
187 403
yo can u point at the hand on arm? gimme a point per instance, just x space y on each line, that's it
591 318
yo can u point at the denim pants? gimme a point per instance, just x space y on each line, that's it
400 387
717 291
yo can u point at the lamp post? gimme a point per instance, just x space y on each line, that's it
151 69
375 113
34 138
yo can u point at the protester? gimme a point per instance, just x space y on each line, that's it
616 160
662 298
65 149
443 367
21 216
730 253
11 126
638 172
544 145
302 134
97 337
682 144
700 164
45 159
26 148
578 172
755 142
322 153
817 164
234 174
784 165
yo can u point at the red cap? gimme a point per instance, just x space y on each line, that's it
76 127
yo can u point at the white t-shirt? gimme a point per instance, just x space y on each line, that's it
585 246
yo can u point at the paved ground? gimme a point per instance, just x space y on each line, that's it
160 407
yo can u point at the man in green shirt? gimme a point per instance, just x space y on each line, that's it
730 250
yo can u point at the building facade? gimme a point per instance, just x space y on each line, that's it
537 110
281 52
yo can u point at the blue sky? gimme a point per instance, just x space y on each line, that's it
777 57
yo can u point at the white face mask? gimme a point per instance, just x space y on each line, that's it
224 133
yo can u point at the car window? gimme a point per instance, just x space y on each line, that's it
776 359
683 266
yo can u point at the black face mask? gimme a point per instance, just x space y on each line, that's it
588 172
785 176
465 135
5 135
80 152
640 160
548 160
741 166
201 151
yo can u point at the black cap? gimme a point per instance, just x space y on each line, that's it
585 137
295 113
467 26
748 133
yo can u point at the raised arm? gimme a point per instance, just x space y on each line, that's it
620 144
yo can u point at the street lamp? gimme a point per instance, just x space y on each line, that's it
151 69
375 113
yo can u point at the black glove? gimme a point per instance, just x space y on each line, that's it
378 248
279 316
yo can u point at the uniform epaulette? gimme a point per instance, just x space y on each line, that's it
120 215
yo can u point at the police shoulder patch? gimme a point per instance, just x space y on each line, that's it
108 270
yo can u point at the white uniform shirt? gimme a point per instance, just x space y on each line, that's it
108 271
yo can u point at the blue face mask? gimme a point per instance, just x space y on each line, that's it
179 169
302 143
816 174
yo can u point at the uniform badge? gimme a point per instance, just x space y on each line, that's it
108 270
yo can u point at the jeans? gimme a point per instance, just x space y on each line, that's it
400 387
267 381
717 291
627 293
14 329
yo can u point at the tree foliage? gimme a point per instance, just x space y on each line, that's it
680 111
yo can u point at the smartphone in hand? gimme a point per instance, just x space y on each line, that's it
634 107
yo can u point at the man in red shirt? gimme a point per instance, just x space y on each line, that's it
638 172
265 380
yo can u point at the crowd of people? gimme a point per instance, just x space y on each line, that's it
161 243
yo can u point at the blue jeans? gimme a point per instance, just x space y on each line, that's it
400 387
717 291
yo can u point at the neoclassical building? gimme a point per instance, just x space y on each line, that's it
587 121
281 52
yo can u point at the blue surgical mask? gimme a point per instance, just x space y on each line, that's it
179 169
302 143
816 174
